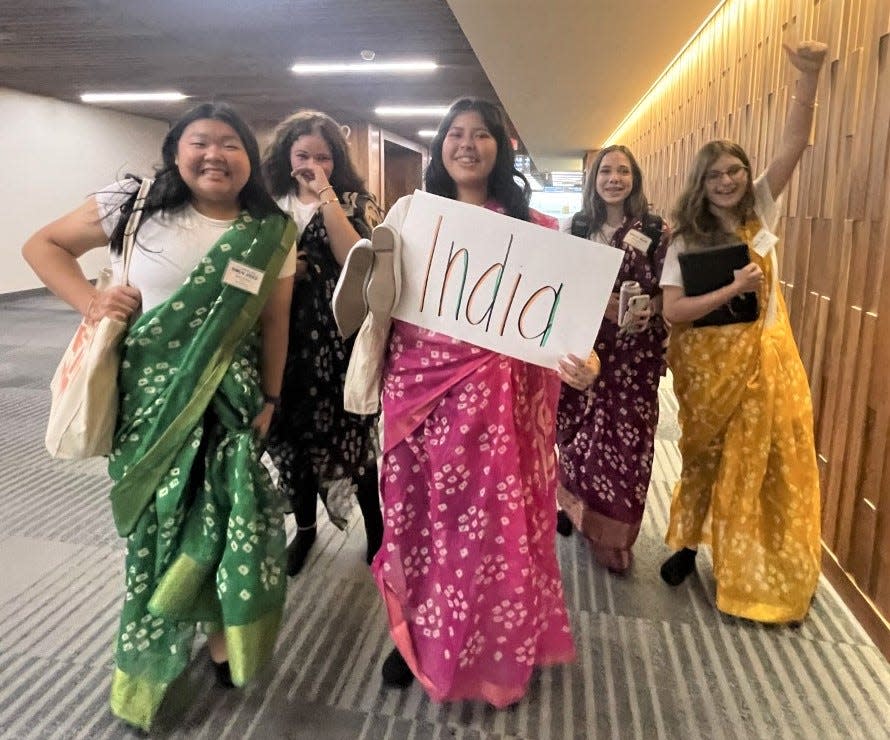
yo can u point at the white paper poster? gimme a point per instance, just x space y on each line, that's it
500 283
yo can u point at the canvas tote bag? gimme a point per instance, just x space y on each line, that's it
84 388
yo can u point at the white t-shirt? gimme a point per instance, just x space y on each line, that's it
301 212
168 246
765 206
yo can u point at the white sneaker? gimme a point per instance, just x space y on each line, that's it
349 302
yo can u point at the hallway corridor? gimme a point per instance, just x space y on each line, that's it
653 662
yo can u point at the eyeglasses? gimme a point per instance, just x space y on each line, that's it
713 176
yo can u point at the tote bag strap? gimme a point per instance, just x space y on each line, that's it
132 225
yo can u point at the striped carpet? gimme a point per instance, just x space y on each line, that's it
654 662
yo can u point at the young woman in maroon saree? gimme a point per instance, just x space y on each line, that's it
606 434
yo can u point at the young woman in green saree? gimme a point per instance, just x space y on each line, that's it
200 375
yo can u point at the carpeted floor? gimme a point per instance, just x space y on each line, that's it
654 662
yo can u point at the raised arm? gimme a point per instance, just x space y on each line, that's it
808 58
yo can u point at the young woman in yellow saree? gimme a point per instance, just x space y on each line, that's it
201 368
749 485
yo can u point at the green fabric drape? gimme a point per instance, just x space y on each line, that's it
205 537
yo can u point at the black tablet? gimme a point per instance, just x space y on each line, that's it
709 269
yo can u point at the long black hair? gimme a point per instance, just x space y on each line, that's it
169 191
594 207
276 159
502 182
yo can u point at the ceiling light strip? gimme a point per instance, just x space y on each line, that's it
411 110
363 67
132 97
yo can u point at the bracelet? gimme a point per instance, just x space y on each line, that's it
811 106
273 401
326 187
326 202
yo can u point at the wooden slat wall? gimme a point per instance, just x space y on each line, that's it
734 82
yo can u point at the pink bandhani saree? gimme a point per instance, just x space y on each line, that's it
468 565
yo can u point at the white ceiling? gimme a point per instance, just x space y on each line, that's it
568 71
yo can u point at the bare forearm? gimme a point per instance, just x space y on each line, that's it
340 231
275 321
60 271
690 308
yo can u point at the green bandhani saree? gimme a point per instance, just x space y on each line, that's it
204 527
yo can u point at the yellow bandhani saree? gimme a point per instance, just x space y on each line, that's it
749 485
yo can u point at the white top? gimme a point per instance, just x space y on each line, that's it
767 210
168 246
396 215
301 212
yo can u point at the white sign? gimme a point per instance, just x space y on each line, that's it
500 283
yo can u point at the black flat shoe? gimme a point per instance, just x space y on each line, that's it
298 550
223 674
678 566
563 523
395 671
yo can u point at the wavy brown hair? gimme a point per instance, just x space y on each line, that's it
594 208
692 215
276 159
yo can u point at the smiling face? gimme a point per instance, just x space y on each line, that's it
212 161
614 178
726 182
469 152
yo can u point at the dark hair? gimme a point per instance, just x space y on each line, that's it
170 192
276 159
692 215
594 207
502 185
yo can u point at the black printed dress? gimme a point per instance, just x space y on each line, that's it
316 445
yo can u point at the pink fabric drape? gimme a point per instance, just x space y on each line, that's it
468 565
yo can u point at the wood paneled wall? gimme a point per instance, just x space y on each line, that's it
734 82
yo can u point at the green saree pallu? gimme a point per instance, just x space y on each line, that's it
204 526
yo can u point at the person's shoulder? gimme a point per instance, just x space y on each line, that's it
111 198
399 211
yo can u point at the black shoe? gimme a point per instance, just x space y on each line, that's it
298 550
678 566
563 523
223 674
395 671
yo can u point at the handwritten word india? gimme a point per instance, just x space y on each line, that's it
531 310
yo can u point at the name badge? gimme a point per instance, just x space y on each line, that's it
764 242
637 240
244 277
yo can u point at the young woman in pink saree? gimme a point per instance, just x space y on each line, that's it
468 566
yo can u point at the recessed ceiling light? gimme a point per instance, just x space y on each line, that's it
362 67
427 133
411 110
132 97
